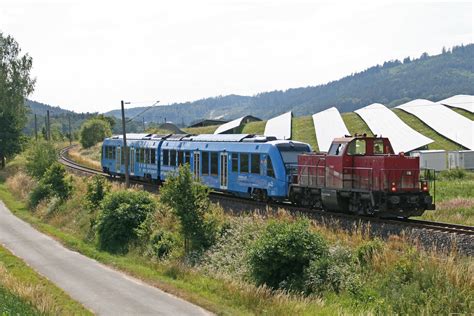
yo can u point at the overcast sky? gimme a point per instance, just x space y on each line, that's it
90 54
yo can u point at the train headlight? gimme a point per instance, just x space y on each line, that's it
424 186
393 187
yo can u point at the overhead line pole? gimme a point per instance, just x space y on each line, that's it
70 135
125 149
48 129
36 128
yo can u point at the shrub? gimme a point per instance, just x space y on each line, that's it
122 213
333 273
97 189
162 243
280 256
39 157
200 224
94 131
453 174
53 183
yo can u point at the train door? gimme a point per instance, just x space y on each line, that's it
223 178
197 165
132 161
118 159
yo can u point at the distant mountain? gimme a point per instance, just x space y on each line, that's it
392 83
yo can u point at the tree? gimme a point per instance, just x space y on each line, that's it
39 157
94 131
15 85
190 202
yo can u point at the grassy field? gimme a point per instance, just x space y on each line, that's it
24 292
201 130
440 142
254 128
302 129
355 124
465 113
89 157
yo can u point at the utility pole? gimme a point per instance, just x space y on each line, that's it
36 128
70 135
125 149
143 124
48 127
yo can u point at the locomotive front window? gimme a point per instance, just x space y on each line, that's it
356 147
336 149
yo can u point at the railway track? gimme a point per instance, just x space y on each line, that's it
246 205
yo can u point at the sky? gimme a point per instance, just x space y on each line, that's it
88 55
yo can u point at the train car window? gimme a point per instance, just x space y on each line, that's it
180 158
205 163
289 151
378 147
137 156
187 157
214 163
270 171
244 163
235 162
356 147
147 156
166 157
336 149
255 163
173 158
153 156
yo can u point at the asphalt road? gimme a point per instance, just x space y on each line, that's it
102 290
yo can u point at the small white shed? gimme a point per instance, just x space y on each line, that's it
431 159
463 159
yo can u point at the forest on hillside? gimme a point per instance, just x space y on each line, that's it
392 83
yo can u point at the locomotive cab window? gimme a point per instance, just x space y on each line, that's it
378 147
336 149
357 147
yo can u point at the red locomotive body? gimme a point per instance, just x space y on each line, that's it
361 175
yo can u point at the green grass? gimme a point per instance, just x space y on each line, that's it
201 130
355 124
302 129
254 128
440 142
225 298
35 294
465 113
11 304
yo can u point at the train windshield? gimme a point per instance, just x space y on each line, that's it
290 151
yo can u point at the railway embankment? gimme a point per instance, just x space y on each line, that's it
345 271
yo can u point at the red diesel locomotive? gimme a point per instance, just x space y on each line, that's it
361 175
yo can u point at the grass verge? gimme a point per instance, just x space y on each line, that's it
24 292
225 298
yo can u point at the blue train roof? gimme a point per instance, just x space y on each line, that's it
250 138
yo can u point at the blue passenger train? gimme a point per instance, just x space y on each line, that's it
241 164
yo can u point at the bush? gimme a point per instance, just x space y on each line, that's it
333 273
453 174
122 213
97 189
162 243
94 131
200 223
280 256
39 157
53 183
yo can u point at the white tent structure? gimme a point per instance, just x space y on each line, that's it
279 126
443 120
461 101
328 124
383 122
229 125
